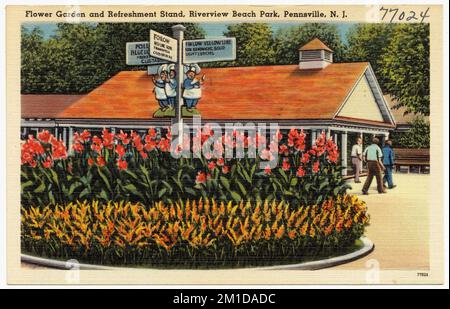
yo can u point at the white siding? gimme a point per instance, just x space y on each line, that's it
361 103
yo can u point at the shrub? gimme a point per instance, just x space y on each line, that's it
140 168
418 136
193 233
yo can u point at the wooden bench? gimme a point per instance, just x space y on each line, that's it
407 160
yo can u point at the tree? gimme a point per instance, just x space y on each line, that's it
367 42
254 44
289 40
405 67
418 136
80 57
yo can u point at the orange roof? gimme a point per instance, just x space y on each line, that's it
315 45
45 106
263 92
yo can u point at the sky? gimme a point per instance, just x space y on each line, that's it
211 29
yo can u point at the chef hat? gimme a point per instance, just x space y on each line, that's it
194 67
171 67
162 68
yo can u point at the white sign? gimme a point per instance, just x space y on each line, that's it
163 46
152 69
137 54
209 50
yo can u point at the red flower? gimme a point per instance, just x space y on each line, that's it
59 150
47 163
143 154
108 139
286 165
305 158
45 136
267 170
316 166
211 165
123 137
101 161
122 164
78 147
220 162
85 135
120 150
284 150
225 169
152 133
164 145
150 145
300 172
90 161
201 177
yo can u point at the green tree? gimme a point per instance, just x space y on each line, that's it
367 42
79 57
254 44
418 136
288 41
405 67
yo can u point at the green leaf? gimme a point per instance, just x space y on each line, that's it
105 179
323 185
225 182
24 185
162 192
242 188
294 181
40 189
236 197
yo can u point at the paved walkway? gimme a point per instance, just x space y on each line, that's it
399 224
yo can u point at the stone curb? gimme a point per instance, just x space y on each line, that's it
367 248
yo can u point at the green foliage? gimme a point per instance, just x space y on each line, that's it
366 42
254 44
79 57
418 136
155 175
406 67
288 41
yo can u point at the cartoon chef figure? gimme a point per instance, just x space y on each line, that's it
159 90
192 91
171 86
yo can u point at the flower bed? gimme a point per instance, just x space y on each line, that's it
195 233
140 168
134 199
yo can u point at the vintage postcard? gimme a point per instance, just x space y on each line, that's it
225 144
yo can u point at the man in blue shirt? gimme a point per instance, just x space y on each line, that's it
372 155
388 161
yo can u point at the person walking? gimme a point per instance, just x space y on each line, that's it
357 158
388 161
372 155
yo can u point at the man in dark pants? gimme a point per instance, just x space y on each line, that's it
388 162
372 155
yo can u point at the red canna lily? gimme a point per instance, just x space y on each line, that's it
300 172
122 164
120 150
201 177
45 136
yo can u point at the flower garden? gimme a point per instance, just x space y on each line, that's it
124 199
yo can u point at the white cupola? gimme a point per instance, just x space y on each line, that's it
315 55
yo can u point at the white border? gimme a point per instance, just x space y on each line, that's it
445 130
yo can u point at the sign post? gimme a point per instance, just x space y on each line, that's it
178 34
